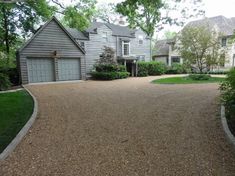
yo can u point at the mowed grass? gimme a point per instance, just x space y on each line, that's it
15 110
186 80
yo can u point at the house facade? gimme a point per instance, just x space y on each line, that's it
166 50
56 53
129 45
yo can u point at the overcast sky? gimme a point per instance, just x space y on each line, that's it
211 7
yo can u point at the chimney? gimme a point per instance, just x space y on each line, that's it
121 21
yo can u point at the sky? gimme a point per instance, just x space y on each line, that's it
211 7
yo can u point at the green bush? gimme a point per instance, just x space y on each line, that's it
177 69
150 68
156 68
109 75
12 74
227 89
142 68
109 68
4 82
199 77
218 72
122 75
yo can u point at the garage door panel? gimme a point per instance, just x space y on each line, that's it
68 69
40 70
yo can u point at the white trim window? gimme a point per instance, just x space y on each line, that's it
141 39
105 36
125 48
82 44
224 42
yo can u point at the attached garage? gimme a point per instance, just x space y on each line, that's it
68 69
52 54
40 70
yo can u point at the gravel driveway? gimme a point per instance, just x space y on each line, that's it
124 127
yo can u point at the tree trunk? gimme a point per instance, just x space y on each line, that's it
6 34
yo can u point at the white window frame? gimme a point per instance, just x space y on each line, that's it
105 36
141 38
126 43
224 44
82 45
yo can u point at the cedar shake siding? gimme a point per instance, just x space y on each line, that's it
51 42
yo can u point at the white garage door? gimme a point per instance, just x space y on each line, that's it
40 70
69 69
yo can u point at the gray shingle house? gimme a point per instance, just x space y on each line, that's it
166 50
56 53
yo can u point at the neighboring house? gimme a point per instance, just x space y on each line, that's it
56 53
166 53
221 24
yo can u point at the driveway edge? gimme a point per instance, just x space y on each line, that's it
226 129
9 149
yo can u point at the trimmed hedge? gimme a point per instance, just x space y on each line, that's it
199 77
177 69
150 68
109 72
110 68
109 75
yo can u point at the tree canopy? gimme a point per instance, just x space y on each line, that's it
150 15
18 20
201 47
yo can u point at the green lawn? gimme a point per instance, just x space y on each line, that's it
15 110
185 80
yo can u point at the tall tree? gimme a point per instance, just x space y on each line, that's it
19 19
77 15
106 13
201 47
150 15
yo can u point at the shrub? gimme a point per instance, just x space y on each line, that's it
122 75
143 68
218 72
227 89
109 75
156 68
12 74
177 69
150 68
4 82
199 77
106 68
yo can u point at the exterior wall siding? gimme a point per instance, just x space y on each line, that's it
140 49
51 38
94 46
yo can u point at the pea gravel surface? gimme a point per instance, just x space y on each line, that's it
124 128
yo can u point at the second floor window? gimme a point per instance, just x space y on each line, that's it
141 39
125 48
224 42
82 45
105 36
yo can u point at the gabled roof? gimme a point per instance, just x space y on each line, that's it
224 25
61 26
117 30
77 34
162 47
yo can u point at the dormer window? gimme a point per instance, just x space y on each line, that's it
224 42
141 39
125 48
82 44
